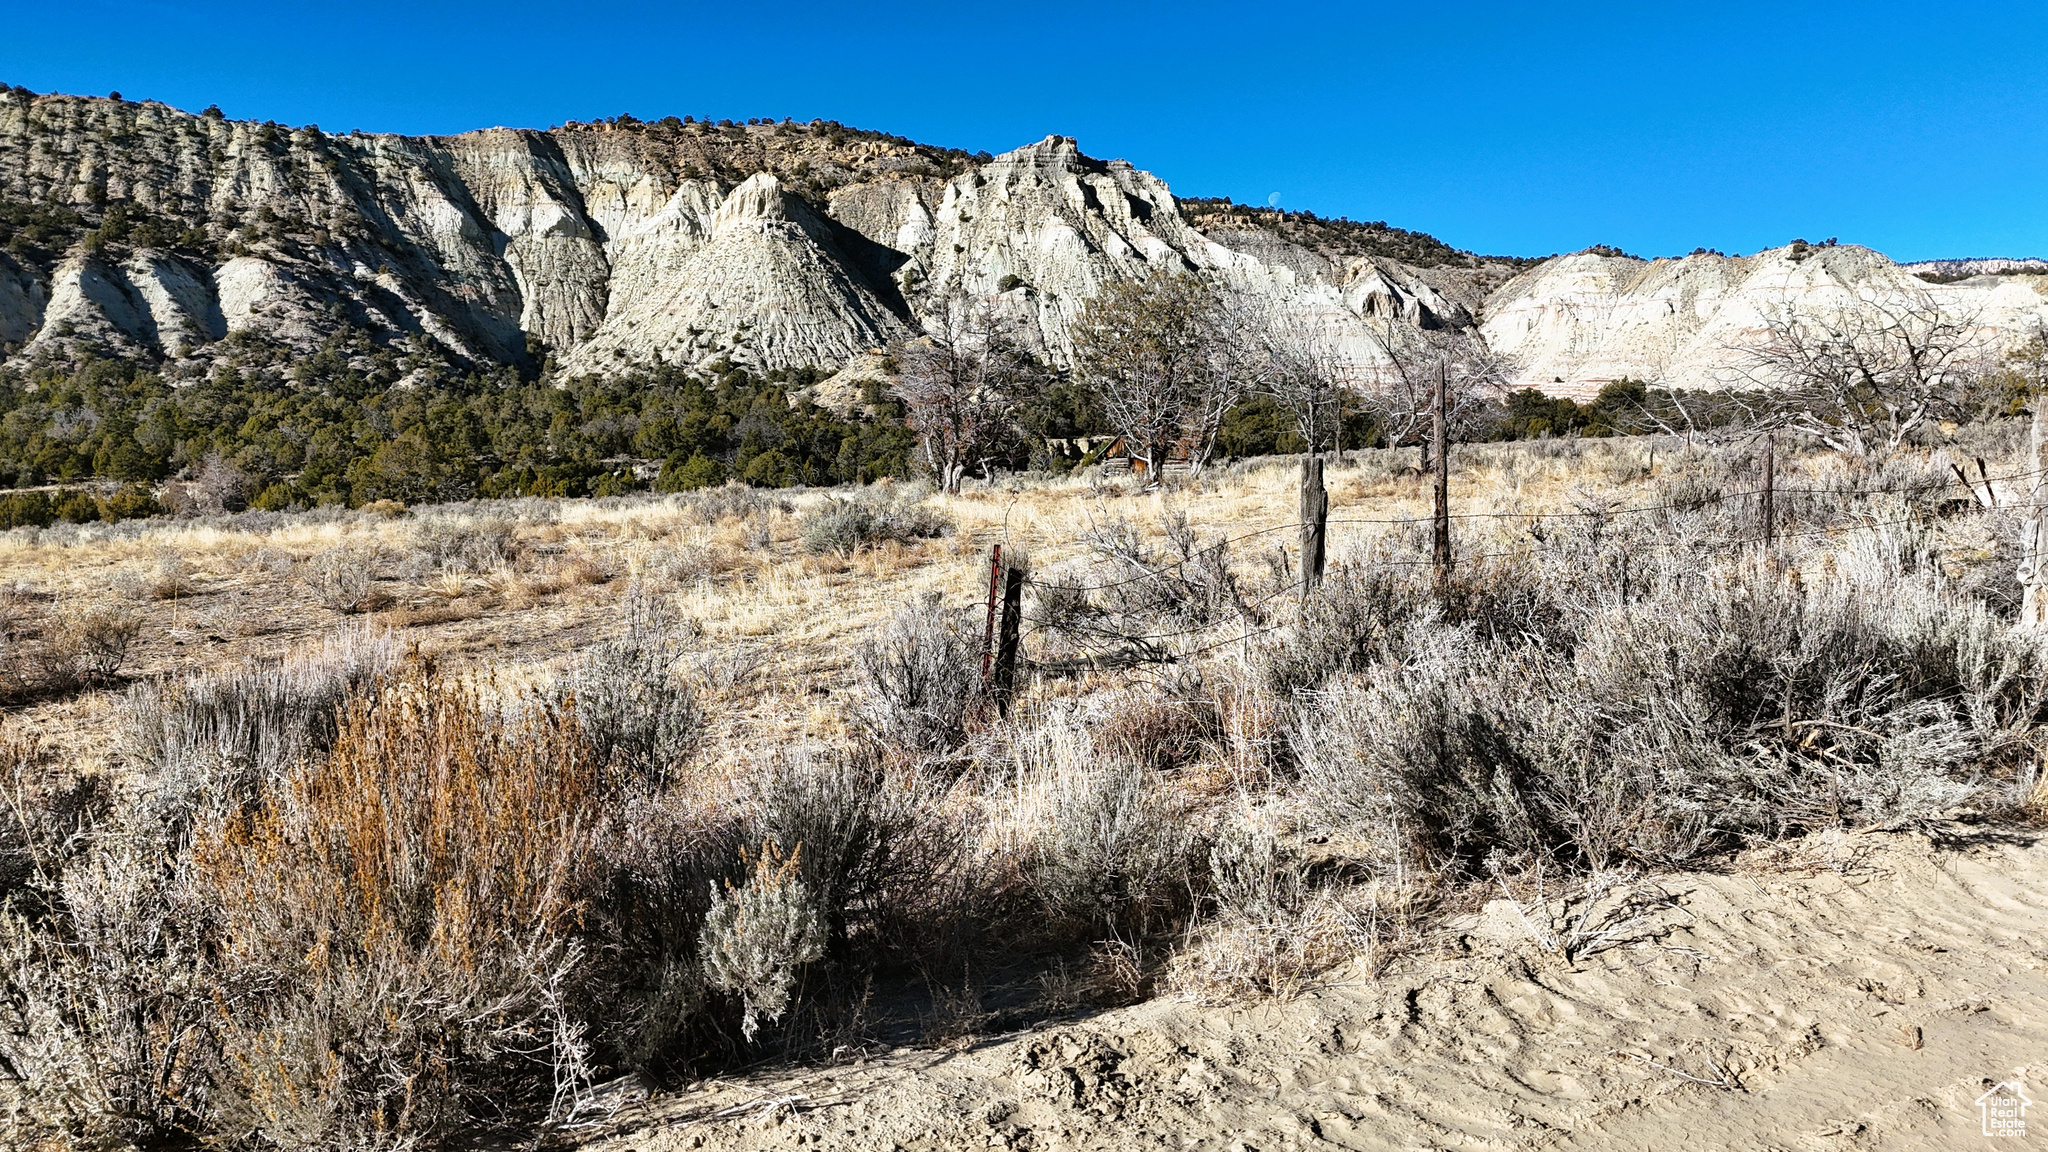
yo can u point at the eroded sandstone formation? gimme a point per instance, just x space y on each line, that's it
139 230
605 246
1574 323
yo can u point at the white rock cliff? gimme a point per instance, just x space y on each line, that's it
1575 323
623 244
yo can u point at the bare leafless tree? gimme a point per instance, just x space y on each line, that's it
1864 378
1673 412
2029 362
2014 385
1158 353
1401 392
1664 409
961 388
1237 363
1292 357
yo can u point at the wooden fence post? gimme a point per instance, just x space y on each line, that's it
1010 632
1770 508
2034 534
988 629
1315 520
1440 550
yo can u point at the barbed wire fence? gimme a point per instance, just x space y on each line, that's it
1007 622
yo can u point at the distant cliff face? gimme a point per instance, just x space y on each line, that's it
1980 266
1574 323
140 230
143 231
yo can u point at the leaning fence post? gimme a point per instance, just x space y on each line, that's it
1315 519
1010 631
2034 534
988 629
1440 544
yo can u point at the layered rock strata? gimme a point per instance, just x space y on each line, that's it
138 230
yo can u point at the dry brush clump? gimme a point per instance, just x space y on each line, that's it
1166 725
169 578
690 563
851 866
919 681
759 934
51 649
1116 860
746 918
870 518
1088 846
732 501
1127 600
370 946
1631 683
460 541
344 579
361 903
278 929
404 912
638 713
1273 926
1647 706
230 731
104 1006
90 643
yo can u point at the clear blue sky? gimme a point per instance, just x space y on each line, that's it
1918 129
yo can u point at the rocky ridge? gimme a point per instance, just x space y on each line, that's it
1574 323
1980 266
139 230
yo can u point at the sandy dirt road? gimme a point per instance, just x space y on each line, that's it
1855 992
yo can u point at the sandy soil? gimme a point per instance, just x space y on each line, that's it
1851 991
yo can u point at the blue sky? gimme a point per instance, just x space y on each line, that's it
1918 129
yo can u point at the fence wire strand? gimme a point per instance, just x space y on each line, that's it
1693 505
1537 548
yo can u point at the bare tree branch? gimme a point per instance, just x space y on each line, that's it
961 389
1292 357
1157 353
1861 379
1403 389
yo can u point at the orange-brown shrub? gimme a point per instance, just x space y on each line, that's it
399 920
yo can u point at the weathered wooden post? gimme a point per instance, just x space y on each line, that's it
1440 449
1315 519
988 629
1010 632
1770 507
2034 534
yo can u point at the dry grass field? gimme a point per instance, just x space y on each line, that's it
391 827
520 587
